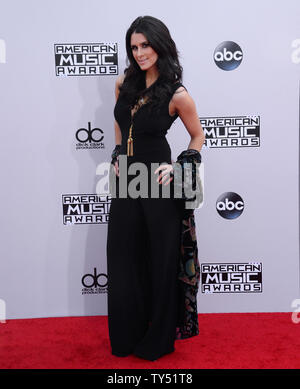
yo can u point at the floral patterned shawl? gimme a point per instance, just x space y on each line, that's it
189 268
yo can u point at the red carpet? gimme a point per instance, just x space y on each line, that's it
226 341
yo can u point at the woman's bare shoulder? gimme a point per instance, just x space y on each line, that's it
120 80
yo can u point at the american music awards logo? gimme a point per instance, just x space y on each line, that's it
85 208
86 59
231 131
231 277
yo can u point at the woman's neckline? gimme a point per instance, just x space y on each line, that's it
152 83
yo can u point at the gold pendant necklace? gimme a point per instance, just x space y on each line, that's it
130 139
130 143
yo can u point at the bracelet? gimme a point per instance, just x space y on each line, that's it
115 153
189 155
191 176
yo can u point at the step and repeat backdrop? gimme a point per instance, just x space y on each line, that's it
59 61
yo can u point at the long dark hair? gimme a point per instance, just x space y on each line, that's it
169 68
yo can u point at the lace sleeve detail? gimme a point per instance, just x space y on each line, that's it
187 182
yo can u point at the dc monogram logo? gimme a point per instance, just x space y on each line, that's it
84 135
228 55
94 280
230 205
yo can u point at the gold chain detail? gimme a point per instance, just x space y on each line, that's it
130 143
141 102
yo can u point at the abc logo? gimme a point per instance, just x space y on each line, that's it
230 205
84 135
92 280
228 55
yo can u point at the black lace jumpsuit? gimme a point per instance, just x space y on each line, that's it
143 243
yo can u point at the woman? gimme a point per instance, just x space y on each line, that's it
145 245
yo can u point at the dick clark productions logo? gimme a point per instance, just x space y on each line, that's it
94 283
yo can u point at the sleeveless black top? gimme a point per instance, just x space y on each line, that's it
148 131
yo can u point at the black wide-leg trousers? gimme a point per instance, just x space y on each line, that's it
143 246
